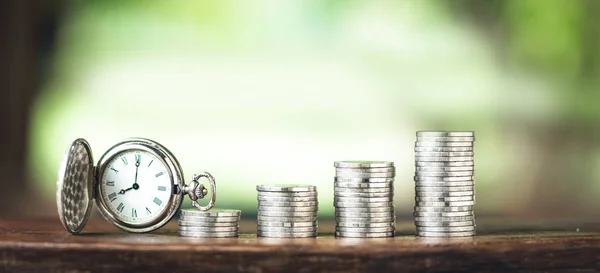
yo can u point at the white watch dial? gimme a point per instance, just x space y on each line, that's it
135 187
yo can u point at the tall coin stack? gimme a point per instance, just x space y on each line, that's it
287 211
364 199
215 223
445 186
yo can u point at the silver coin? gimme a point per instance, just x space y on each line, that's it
288 224
363 164
444 198
364 234
261 218
365 210
287 229
363 194
446 139
445 184
360 185
444 224
365 229
444 179
286 199
444 169
364 214
287 188
211 213
346 174
363 180
367 170
444 189
288 213
208 234
365 225
365 220
445 204
443 174
287 194
223 219
444 194
443 149
444 209
445 134
446 234
208 224
446 229
364 190
443 158
363 205
443 144
444 163
363 199
288 204
442 214
289 209
437 154
208 229
445 219
286 234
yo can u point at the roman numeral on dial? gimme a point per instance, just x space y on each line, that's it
148 212
159 174
124 159
120 207
112 196
133 213
110 183
157 201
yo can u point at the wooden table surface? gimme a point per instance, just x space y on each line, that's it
44 246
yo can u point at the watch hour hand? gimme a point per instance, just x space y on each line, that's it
125 190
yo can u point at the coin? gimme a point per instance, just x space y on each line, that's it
442 214
363 164
364 220
446 234
286 234
286 199
389 189
444 209
444 163
363 199
443 179
445 184
364 214
289 209
444 224
363 205
443 174
444 169
445 134
443 158
364 180
438 154
443 144
288 213
288 204
445 219
287 229
444 194
368 224
445 204
444 189
364 175
367 170
360 185
446 139
207 224
365 210
288 224
444 198
364 234
223 219
363 194
211 213
446 229
208 234
208 229
287 194
261 218
365 229
287 188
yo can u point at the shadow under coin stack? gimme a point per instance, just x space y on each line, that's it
364 199
215 223
287 211
445 187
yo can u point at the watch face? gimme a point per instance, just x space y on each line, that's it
135 187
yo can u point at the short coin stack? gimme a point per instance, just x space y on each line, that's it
445 187
215 223
364 199
287 211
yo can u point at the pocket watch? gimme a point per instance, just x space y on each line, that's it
137 185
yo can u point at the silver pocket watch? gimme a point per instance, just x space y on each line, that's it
138 186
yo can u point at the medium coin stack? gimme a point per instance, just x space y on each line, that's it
287 211
445 187
364 199
215 223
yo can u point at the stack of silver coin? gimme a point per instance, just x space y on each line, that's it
215 223
364 199
287 211
445 185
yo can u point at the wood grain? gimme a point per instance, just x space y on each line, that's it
43 246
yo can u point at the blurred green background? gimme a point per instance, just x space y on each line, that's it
275 91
